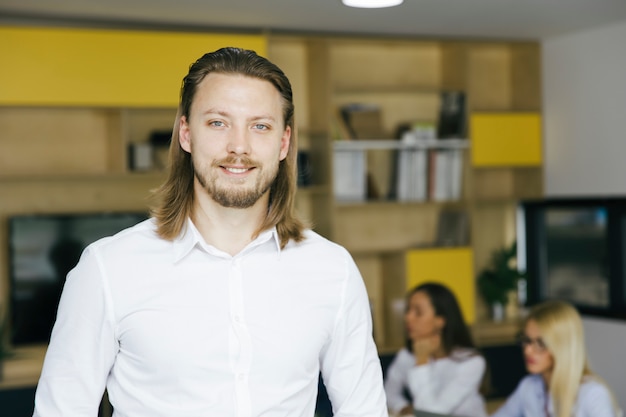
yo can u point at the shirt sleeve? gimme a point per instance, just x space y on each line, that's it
82 347
594 400
513 407
350 364
395 380
442 394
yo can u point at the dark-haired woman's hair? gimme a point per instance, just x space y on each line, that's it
455 332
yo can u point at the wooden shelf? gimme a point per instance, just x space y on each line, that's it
496 77
91 178
380 227
74 155
485 333
385 90
393 144
24 368
490 333
39 194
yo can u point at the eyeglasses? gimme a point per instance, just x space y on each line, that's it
537 344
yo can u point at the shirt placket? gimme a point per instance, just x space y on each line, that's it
241 349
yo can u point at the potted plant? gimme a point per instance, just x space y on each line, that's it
499 278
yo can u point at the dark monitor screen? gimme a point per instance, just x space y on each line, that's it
577 267
572 249
42 250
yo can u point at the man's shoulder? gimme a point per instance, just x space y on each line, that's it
139 234
315 247
313 240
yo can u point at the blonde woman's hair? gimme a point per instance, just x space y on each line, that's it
174 198
562 331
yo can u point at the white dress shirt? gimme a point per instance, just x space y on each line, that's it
182 329
448 385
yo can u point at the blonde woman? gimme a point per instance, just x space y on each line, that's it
560 383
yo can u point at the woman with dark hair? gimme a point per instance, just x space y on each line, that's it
440 367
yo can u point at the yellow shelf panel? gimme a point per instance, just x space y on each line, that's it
91 67
452 267
506 139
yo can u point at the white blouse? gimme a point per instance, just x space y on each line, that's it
449 385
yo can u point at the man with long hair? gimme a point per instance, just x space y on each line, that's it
223 303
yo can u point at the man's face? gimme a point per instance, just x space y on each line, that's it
236 136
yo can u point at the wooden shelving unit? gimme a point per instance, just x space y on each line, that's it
73 157
404 78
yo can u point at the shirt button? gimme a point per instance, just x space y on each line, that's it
241 377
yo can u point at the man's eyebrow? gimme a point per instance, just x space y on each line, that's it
216 111
226 114
263 117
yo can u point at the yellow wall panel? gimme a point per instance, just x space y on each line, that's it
90 67
506 139
453 267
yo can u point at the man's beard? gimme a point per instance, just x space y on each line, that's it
235 196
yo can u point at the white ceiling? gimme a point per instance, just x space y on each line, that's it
503 19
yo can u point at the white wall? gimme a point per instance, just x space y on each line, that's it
584 84
606 340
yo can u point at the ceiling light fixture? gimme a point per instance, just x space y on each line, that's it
372 4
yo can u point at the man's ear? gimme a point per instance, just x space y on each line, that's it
284 143
184 138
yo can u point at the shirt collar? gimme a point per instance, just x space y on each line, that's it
190 237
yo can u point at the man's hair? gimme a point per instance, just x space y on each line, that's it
174 198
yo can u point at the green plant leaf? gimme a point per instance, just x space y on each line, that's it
500 276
